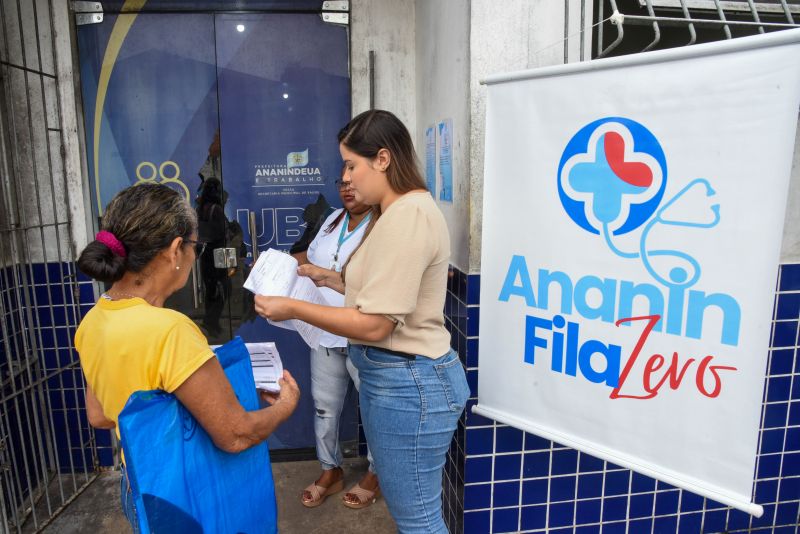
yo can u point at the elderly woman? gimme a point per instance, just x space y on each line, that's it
129 342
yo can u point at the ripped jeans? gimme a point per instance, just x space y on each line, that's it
331 371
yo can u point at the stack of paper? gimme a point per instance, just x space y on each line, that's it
267 366
275 274
266 363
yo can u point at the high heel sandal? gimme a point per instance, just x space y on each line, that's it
320 493
365 497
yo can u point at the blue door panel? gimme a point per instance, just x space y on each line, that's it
284 93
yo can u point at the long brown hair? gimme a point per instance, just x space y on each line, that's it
369 132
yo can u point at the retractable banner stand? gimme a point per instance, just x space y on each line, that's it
632 220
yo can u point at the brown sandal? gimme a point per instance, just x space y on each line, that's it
320 493
365 497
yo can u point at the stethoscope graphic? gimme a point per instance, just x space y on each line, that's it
678 277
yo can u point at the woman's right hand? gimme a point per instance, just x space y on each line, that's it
209 397
288 396
274 308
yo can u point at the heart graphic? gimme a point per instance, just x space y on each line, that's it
630 172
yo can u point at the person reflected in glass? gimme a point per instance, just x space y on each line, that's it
314 215
212 225
413 388
331 370
130 342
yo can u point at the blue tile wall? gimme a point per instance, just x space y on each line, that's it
499 479
461 320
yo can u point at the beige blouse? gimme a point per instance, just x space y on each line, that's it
400 271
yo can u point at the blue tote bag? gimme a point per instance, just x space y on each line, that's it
180 481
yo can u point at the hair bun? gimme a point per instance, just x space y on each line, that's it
99 262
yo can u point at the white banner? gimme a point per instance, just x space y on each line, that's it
632 218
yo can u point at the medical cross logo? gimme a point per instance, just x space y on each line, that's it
611 180
612 176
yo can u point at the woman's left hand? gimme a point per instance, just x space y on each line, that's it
274 308
317 274
322 277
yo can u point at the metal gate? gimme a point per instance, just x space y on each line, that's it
47 449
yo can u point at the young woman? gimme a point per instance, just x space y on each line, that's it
331 370
413 386
129 342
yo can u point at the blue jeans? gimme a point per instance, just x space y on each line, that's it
126 499
331 372
410 409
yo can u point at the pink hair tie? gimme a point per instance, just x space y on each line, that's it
111 241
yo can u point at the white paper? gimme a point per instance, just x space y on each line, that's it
275 274
267 365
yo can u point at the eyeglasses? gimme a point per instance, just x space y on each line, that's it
342 185
199 246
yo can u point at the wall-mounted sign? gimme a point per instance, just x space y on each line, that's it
633 214
430 159
446 159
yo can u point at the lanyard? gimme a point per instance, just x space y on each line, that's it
343 237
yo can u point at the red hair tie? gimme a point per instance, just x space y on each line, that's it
111 241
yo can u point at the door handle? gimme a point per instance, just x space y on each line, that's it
195 291
253 238
225 258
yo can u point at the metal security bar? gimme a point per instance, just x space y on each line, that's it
630 26
47 449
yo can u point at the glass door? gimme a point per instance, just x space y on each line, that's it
151 115
284 94
239 113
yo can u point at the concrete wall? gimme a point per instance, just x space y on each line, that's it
442 92
42 164
790 251
387 27
422 75
508 36
430 58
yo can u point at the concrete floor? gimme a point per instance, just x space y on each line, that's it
97 509
331 516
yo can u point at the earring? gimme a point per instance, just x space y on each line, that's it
177 267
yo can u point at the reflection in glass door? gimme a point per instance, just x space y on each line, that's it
150 102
